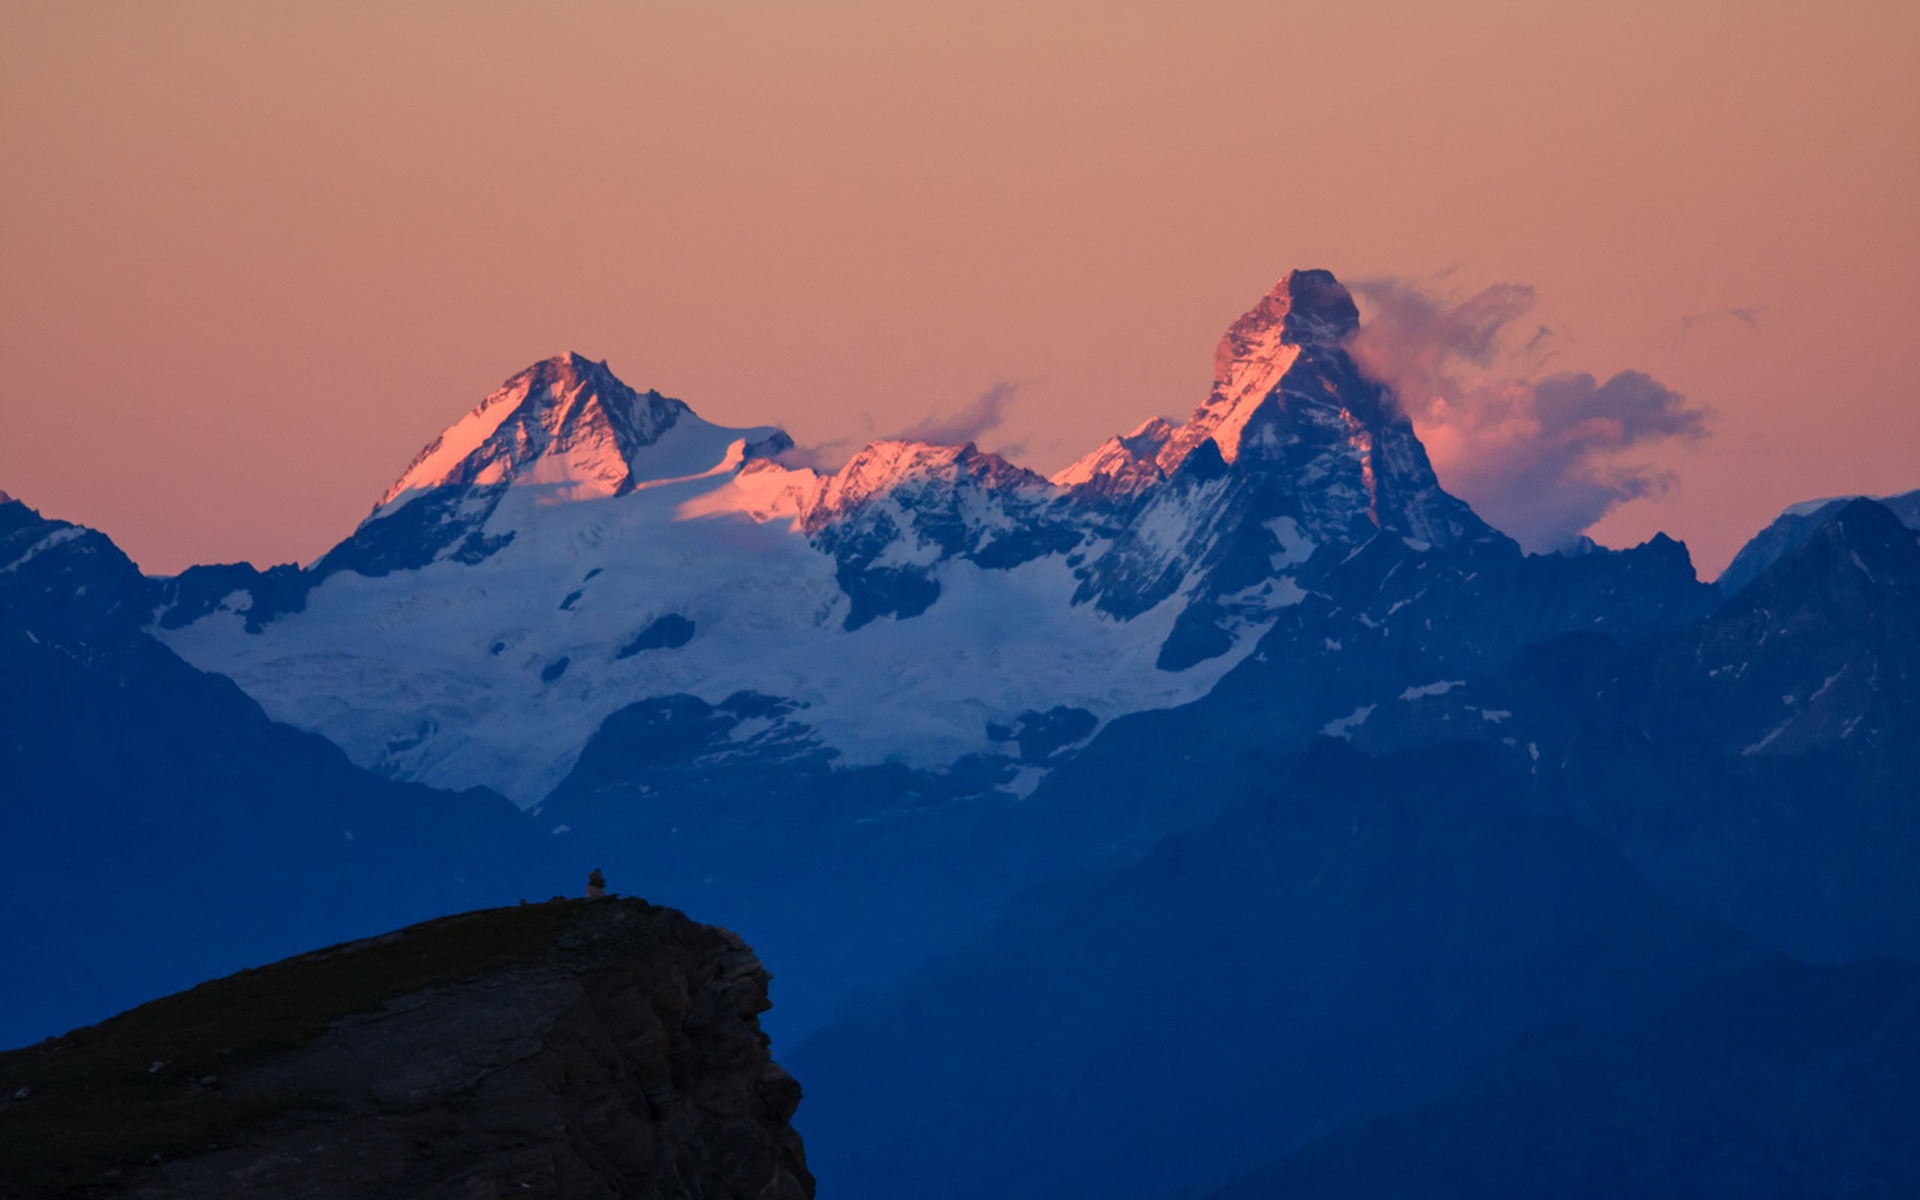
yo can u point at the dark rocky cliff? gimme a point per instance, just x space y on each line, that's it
604 1048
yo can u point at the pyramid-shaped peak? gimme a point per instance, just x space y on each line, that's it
571 367
1290 406
585 390
565 418
1304 308
567 424
1315 295
1307 312
572 376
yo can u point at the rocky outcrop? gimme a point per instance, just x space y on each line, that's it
576 1049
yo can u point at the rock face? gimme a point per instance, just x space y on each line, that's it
1794 526
606 1048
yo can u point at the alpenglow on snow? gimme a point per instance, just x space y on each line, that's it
572 546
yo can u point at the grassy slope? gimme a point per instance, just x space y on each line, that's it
117 1093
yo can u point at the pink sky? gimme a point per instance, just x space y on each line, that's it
253 256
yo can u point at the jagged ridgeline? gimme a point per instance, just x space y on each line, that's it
1118 833
573 545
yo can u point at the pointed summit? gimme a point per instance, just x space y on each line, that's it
1288 405
564 420
1306 311
570 425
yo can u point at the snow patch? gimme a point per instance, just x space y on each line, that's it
1768 740
1827 685
1344 726
58 537
1295 546
1025 781
453 445
371 663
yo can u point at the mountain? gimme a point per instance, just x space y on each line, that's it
916 678
529 569
1367 897
571 1048
654 635
1793 526
156 828
1760 761
1349 935
1120 831
1784 1080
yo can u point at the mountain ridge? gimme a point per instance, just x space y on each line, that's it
1274 694
565 468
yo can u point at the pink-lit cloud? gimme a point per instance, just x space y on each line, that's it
979 417
973 421
1542 456
830 456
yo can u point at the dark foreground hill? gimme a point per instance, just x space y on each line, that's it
573 1048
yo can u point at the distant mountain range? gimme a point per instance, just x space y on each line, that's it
1114 833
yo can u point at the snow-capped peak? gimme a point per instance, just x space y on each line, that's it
885 466
1290 407
1123 464
568 425
1308 310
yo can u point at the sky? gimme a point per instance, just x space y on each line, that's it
1636 266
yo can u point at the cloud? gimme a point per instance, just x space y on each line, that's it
825 457
829 456
1540 456
1748 315
979 417
985 413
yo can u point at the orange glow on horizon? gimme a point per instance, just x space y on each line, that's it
252 257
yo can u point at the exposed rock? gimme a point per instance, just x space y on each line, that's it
603 1048
1795 526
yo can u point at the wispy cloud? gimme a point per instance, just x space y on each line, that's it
830 456
1748 315
983 414
978 417
1540 456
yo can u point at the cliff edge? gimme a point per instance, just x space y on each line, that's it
597 1048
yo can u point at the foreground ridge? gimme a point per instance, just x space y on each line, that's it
572 1048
